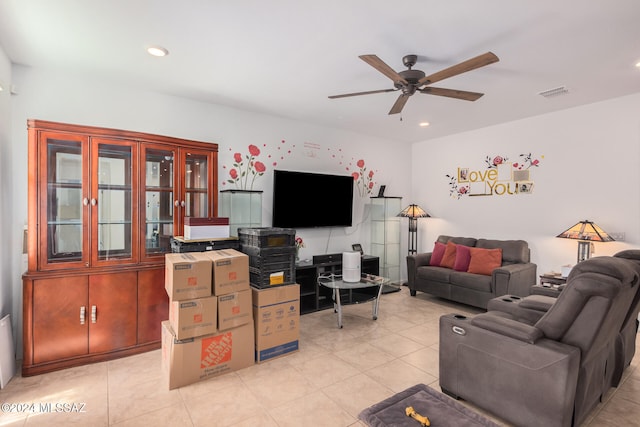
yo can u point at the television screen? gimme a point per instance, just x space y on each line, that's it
306 200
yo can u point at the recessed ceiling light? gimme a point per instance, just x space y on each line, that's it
157 51
424 124
638 64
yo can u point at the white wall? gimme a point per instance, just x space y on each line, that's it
83 99
6 290
588 169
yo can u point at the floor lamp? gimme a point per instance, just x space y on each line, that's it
413 212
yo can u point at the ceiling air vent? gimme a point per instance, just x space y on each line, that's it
556 91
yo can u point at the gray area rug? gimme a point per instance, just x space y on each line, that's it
439 408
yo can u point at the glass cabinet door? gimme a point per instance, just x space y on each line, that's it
112 201
63 166
196 187
158 199
196 184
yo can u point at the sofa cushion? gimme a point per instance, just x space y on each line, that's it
437 274
449 257
463 257
437 254
484 261
477 282
513 251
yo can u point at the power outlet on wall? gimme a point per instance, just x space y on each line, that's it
617 236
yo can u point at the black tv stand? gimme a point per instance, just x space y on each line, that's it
314 297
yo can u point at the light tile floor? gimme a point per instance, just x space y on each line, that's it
336 374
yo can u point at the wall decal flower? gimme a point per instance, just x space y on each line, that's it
527 162
455 190
363 178
246 169
494 161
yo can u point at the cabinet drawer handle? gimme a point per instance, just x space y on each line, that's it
82 314
94 202
176 203
182 204
85 201
94 314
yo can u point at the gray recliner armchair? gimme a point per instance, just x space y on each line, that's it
530 309
552 372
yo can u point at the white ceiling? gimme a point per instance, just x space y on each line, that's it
284 57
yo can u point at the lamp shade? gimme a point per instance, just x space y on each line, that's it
414 211
588 231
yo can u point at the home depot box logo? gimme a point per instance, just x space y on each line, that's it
194 359
216 350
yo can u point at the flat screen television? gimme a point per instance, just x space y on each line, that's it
307 200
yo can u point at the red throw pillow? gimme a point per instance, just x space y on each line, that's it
449 257
437 253
484 261
463 257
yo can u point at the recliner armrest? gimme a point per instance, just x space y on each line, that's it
498 323
538 302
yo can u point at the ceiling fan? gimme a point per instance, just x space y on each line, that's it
409 81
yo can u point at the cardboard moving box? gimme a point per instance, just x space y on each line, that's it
188 361
234 309
194 317
187 276
230 271
276 314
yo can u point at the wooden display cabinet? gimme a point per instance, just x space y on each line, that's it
103 204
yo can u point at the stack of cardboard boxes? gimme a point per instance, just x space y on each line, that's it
276 296
218 323
210 330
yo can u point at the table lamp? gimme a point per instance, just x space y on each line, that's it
413 212
585 232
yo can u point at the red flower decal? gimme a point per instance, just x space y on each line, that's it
237 157
259 166
253 150
233 173
360 163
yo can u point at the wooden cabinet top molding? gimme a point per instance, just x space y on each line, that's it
115 133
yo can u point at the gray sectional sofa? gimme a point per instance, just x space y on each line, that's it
515 275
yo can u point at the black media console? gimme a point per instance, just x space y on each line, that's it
314 297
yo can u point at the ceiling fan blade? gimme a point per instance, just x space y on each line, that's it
452 93
463 67
381 66
361 93
399 104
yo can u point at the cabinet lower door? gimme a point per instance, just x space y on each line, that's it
153 305
60 318
112 314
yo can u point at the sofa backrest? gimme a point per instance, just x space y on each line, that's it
466 241
513 251
592 306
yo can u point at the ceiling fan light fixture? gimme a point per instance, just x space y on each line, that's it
158 51
424 124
